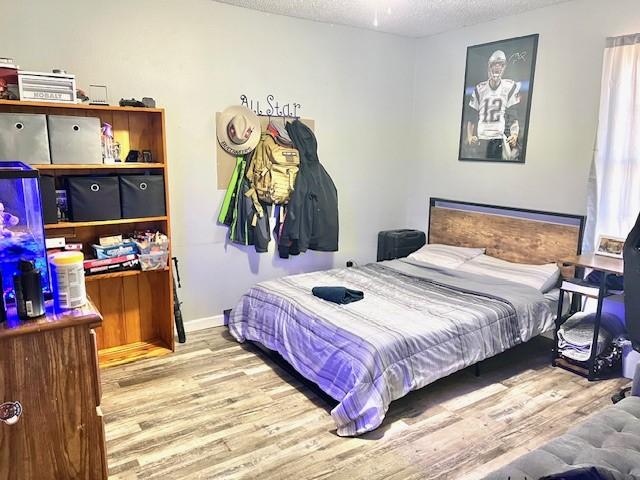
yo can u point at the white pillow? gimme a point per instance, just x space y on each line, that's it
540 277
445 256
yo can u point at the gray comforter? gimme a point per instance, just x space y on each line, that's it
416 324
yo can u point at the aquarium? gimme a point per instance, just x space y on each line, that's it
21 224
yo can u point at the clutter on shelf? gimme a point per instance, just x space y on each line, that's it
137 156
107 142
98 95
55 86
81 96
62 205
47 87
124 247
153 250
146 102
8 79
113 264
141 250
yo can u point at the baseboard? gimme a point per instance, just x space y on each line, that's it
203 323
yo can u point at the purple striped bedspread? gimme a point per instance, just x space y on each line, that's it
416 324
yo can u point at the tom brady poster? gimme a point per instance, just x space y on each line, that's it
498 85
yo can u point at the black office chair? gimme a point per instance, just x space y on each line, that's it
632 285
632 296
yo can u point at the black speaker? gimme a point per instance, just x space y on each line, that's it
142 196
48 198
93 198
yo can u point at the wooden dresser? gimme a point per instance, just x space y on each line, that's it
50 367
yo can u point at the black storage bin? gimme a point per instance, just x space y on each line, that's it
48 198
399 243
93 198
142 196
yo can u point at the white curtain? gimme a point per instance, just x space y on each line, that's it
614 183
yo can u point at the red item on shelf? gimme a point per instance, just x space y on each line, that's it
116 267
8 77
88 264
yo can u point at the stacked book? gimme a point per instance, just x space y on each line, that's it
114 264
113 254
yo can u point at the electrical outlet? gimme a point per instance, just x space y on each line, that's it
349 263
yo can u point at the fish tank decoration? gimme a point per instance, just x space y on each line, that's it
21 225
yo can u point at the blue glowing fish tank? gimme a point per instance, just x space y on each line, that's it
21 224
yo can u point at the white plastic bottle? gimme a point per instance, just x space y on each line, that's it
67 276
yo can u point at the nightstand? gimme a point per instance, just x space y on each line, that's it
607 266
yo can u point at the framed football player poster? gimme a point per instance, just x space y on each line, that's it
498 85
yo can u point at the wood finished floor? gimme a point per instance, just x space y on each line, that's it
218 409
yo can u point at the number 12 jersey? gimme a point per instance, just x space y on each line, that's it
491 105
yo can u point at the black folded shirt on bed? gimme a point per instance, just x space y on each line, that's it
341 295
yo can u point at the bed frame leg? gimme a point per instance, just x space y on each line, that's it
476 369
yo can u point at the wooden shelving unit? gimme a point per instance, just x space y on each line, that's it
137 307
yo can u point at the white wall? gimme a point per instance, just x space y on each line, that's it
196 57
563 114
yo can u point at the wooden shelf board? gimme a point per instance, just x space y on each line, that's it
584 294
79 106
122 273
596 262
122 221
100 166
572 367
110 357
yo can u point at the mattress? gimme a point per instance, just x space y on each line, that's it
416 324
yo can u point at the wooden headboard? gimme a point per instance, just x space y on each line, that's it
513 234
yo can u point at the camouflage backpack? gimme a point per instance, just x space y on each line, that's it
272 172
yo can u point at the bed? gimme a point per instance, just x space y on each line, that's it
419 321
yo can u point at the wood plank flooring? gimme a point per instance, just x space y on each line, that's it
218 409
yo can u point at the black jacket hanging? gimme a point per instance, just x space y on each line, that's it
311 221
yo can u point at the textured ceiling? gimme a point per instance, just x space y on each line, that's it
410 18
